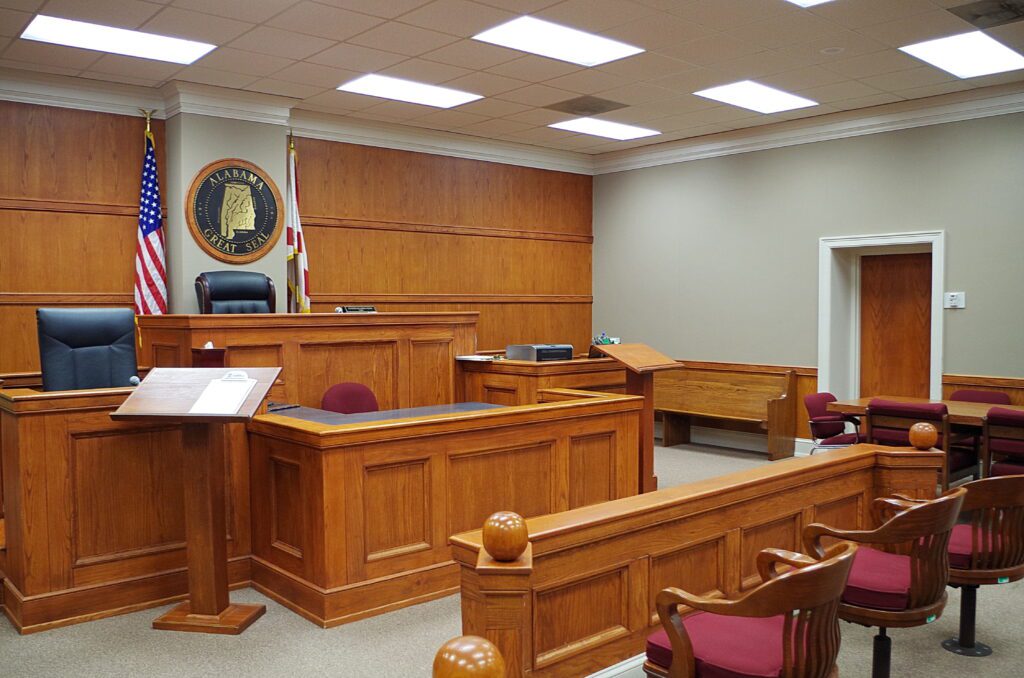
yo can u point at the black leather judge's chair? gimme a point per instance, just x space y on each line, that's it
86 347
235 292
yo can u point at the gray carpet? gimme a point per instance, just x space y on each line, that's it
402 644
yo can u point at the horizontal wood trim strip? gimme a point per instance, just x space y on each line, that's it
444 229
372 297
68 207
970 380
748 367
64 298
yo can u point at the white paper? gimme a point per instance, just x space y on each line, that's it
223 396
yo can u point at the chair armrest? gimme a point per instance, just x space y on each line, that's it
768 559
884 508
815 532
667 602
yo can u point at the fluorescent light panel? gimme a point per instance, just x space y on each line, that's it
809 3
605 128
114 40
413 92
756 97
967 55
529 34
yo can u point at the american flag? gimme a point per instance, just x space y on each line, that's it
150 273
298 265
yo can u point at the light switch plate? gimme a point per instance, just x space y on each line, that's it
954 300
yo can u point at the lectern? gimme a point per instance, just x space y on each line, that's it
171 395
641 362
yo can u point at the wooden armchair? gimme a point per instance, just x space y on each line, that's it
903 583
786 626
987 550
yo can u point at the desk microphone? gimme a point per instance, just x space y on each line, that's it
134 381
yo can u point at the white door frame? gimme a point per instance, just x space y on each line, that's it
831 369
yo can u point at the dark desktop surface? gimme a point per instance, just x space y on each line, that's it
330 418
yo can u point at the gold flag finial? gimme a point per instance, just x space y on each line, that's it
149 117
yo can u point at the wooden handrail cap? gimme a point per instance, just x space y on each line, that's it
468 657
505 536
924 436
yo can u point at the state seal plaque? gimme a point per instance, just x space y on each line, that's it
233 210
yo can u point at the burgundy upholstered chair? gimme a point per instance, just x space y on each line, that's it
1002 436
987 547
972 439
786 627
829 428
888 422
349 398
900 580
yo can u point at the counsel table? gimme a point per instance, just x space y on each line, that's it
960 413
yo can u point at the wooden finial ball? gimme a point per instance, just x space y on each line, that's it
505 536
923 436
468 657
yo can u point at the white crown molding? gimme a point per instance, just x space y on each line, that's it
330 127
219 102
969 105
45 89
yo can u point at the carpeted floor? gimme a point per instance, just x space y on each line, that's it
402 644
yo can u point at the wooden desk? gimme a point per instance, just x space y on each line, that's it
517 382
960 413
94 510
582 595
353 519
407 359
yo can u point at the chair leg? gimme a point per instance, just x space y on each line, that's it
881 658
965 643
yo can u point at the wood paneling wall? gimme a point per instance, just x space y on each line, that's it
417 232
69 202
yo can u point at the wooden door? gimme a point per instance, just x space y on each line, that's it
895 324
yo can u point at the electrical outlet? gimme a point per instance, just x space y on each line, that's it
954 300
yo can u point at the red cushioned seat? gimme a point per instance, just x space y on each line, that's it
844 439
891 436
726 647
1008 468
960 547
878 580
1007 446
961 459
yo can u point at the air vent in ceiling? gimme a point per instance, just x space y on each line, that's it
990 13
585 106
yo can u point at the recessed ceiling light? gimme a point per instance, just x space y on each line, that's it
756 97
605 128
114 40
529 34
967 55
408 90
809 3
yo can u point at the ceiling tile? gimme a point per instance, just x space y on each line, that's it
123 79
935 90
376 117
917 28
594 15
728 14
656 30
356 58
788 29
842 45
345 101
280 43
23 5
315 74
430 72
496 126
12 22
589 81
256 11
800 113
638 93
210 76
713 50
284 88
879 99
520 6
451 118
398 109
1011 35
311 18
239 61
996 79
387 9
876 63
534 68
537 95
120 13
754 66
39 67
913 77
472 54
541 134
4 42
458 17
51 55
693 81
869 12
147 69
182 23
539 116
493 108
632 115
646 66
802 78
403 39
487 84
827 94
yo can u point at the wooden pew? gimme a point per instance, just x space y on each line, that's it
734 394
581 596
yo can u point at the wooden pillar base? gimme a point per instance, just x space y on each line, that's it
233 620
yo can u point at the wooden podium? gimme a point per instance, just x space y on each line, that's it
167 394
641 362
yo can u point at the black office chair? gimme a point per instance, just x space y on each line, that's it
235 292
86 347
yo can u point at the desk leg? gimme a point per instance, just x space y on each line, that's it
208 609
643 385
